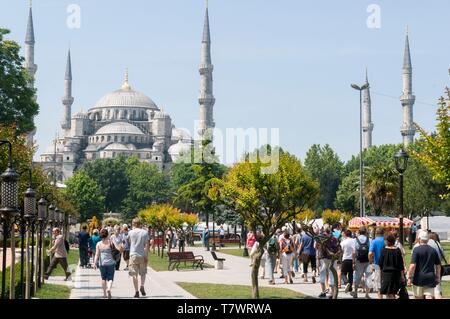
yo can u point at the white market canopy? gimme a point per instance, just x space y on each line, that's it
379 221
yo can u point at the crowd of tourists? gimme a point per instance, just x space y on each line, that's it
363 263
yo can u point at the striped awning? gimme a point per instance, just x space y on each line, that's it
393 222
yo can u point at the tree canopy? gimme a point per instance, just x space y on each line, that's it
325 167
17 98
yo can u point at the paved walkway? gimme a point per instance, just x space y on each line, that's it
237 271
8 257
87 285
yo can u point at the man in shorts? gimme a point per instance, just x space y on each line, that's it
425 271
139 244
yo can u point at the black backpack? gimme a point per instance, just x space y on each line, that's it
67 245
362 253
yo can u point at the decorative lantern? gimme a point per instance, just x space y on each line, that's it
51 213
401 161
42 209
29 203
9 193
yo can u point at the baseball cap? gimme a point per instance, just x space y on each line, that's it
423 235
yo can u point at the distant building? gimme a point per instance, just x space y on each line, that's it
123 122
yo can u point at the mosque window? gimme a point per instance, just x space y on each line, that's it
123 139
109 138
115 138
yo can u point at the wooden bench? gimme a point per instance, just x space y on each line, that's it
218 261
175 258
225 241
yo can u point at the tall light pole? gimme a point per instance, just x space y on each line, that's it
401 163
361 198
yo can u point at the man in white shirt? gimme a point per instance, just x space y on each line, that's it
139 243
348 257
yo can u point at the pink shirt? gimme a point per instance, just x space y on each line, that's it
60 250
251 240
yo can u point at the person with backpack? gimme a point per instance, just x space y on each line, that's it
330 245
348 249
361 260
273 250
287 250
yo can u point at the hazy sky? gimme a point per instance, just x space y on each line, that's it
284 64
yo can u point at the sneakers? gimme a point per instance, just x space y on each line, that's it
143 291
347 288
67 276
322 295
136 295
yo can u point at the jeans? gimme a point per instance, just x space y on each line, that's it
270 265
84 259
360 270
296 263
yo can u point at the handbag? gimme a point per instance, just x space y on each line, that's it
445 269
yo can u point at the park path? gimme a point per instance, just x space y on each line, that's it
86 284
237 271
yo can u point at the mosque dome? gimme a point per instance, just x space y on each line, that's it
180 134
126 97
119 128
116 147
179 149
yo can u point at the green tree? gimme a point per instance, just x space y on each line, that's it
146 185
347 195
434 149
112 178
382 155
17 102
380 189
192 195
266 201
86 195
325 167
421 192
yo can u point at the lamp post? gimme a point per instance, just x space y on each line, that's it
29 213
42 216
213 248
401 163
9 190
361 198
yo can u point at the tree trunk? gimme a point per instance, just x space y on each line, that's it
255 271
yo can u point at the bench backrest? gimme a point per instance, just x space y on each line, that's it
214 255
181 255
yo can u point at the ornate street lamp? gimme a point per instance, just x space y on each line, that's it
401 164
361 197
9 191
42 217
29 215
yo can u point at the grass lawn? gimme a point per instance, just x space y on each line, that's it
161 264
213 291
49 291
72 260
235 252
